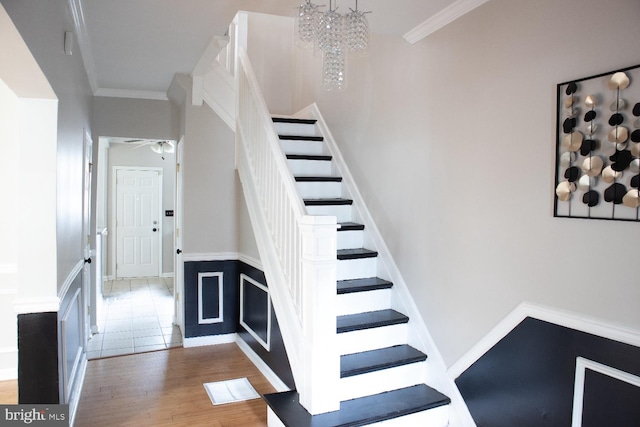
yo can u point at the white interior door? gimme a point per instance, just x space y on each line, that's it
178 279
138 236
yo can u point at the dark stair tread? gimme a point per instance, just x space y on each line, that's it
368 320
362 285
358 412
292 120
325 202
318 178
379 359
301 137
308 157
359 253
350 226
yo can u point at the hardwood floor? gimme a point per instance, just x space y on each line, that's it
9 392
165 388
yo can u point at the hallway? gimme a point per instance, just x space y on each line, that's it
137 316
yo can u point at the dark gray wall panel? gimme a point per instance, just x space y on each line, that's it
527 378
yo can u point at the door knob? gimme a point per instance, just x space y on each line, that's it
155 229
179 251
88 260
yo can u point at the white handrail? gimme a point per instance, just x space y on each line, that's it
298 251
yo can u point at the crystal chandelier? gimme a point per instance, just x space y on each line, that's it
334 35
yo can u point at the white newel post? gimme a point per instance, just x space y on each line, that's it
321 361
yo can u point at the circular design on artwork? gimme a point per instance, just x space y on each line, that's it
591 198
564 190
636 110
572 174
635 182
618 81
590 101
569 124
592 166
619 104
635 150
616 119
567 158
590 115
573 141
591 129
615 193
571 88
586 182
632 198
609 175
620 160
619 135
568 102
588 145
635 135
634 165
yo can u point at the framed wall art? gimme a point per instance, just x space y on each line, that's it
598 147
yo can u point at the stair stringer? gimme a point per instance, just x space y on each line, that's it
418 335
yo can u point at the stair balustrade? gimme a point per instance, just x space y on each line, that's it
298 251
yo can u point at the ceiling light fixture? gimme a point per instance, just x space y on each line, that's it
162 147
334 35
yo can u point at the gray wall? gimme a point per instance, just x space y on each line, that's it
452 143
42 25
209 182
123 155
135 118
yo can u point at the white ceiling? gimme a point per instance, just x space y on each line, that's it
134 47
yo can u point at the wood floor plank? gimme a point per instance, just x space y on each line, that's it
9 392
165 388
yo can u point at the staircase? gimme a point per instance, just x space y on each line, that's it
381 375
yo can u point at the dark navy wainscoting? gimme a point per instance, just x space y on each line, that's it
211 304
527 379
48 351
276 358
38 380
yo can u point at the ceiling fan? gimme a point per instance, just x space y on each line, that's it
159 147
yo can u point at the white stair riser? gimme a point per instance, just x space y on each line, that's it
371 339
301 147
356 268
272 419
350 239
360 302
381 381
436 417
310 167
341 212
319 190
295 129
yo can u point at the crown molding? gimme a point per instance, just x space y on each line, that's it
442 18
126 93
568 319
83 43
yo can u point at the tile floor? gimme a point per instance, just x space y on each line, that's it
137 317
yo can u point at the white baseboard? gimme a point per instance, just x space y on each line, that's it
170 274
209 256
209 340
275 381
579 322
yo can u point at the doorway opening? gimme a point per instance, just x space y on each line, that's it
135 204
